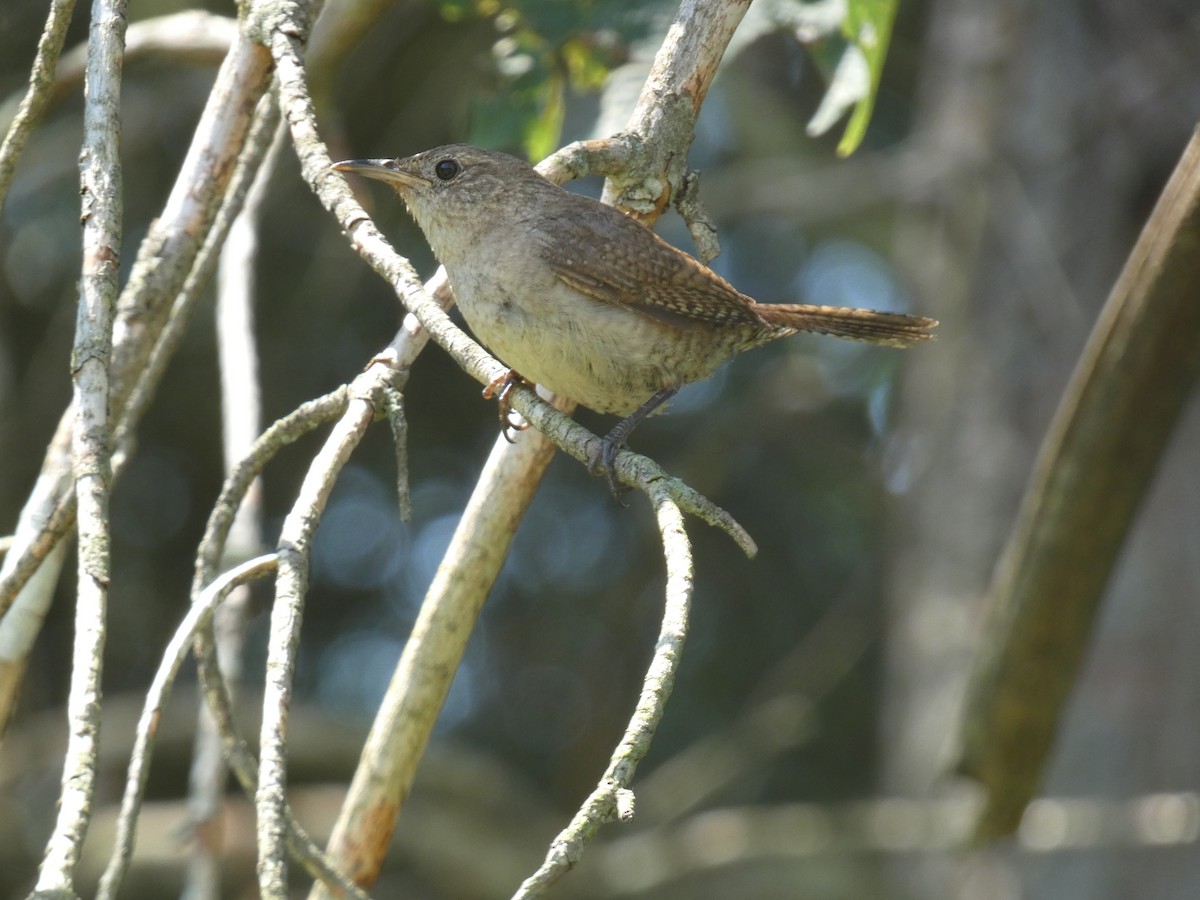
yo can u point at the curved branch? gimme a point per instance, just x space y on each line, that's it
432 655
199 616
612 798
291 587
241 761
1100 453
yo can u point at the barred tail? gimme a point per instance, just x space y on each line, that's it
894 329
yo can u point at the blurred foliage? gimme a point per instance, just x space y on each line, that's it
868 28
848 40
543 51
546 49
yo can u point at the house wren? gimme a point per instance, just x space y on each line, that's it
584 300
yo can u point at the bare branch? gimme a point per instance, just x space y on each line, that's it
432 655
291 587
1100 453
212 547
41 86
241 413
199 615
612 798
91 450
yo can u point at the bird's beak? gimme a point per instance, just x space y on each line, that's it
381 170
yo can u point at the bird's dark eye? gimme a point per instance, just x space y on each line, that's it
446 169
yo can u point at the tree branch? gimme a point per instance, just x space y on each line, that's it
167 259
1099 456
199 616
91 450
291 588
612 798
241 405
37 97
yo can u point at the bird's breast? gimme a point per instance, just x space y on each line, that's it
609 358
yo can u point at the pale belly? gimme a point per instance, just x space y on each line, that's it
608 359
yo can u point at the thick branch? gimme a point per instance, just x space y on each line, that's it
431 657
1100 454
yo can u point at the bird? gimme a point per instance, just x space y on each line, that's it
572 294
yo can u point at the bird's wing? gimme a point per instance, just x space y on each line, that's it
616 260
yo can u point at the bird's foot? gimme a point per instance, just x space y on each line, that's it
614 442
603 459
500 389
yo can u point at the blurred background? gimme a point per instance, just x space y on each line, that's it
1015 151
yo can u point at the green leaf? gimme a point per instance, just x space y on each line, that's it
543 131
868 28
544 50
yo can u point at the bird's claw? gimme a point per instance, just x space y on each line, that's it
500 389
603 458
614 442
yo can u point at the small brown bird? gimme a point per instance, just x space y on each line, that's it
584 300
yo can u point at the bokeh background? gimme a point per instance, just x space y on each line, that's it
1015 151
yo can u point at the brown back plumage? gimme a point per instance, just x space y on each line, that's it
614 259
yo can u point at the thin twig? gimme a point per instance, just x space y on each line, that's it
612 799
241 413
198 616
633 469
197 619
41 86
393 408
291 586
283 432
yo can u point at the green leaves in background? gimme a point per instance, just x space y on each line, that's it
848 40
543 50
868 28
